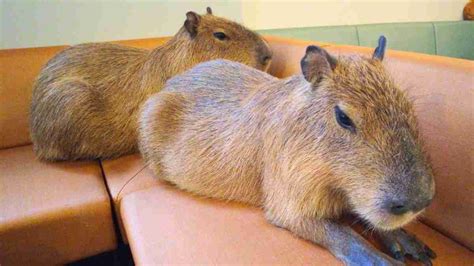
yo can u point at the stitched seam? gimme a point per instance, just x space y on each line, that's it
435 38
357 34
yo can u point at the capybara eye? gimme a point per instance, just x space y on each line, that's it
343 120
220 36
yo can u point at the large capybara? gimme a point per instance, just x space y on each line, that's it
86 99
340 138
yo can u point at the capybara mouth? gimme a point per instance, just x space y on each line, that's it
386 221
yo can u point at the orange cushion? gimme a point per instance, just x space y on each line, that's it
124 176
168 226
51 213
18 71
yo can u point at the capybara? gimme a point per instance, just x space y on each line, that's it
340 138
86 99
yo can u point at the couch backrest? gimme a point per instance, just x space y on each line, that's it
453 39
18 70
443 89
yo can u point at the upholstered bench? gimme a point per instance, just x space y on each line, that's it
53 213
50 213
164 225
168 226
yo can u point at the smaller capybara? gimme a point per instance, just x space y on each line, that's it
86 99
340 138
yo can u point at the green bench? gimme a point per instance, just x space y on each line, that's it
453 39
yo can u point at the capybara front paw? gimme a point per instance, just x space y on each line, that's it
367 255
401 244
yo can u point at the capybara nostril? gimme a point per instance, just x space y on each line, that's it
398 207
265 59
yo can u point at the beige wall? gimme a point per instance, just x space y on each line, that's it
264 14
32 23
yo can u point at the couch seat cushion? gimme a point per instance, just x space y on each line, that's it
168 226
51 213
125 175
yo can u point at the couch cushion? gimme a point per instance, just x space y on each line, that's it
148 43
51 213
18 71
125 175
455 39
168 226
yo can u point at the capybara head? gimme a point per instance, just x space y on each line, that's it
370 138
209 37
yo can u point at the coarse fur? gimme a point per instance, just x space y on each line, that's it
86 99
226 131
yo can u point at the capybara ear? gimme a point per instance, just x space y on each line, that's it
317 63
209 11
380 50
192 22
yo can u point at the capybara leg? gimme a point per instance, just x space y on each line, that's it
399 243
342 241
63 118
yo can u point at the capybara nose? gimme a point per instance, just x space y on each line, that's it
399 207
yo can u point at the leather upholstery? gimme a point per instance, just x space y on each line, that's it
18 71
126 175
51 213
168 226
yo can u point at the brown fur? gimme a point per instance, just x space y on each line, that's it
86 99
226 131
